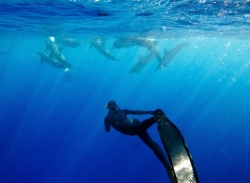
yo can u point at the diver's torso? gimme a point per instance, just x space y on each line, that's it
120 122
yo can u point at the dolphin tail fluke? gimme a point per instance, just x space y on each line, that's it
131 72
111 57
158 67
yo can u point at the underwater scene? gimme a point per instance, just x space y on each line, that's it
67 66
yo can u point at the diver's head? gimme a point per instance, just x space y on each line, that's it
111 105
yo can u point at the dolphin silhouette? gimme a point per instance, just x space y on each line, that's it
49 59
54 50
142 63
99 45
169 55
125 42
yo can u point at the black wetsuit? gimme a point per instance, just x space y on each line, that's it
119 121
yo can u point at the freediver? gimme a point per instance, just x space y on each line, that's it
118 120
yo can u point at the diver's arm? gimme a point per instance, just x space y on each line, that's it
107 125
138 112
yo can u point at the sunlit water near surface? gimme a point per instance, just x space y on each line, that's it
51 120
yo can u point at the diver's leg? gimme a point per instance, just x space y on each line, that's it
135 127
158 152
155 147
146 124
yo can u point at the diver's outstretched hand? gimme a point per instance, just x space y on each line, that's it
152 113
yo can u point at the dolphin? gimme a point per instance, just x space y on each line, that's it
142 63
99 45
169 55
45 57
54 50
125 42
67 42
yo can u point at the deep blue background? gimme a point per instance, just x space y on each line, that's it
51 121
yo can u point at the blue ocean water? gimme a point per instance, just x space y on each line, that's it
51 119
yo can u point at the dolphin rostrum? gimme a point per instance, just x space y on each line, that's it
99 45
125 42
169 55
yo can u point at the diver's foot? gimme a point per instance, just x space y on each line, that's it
159 114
